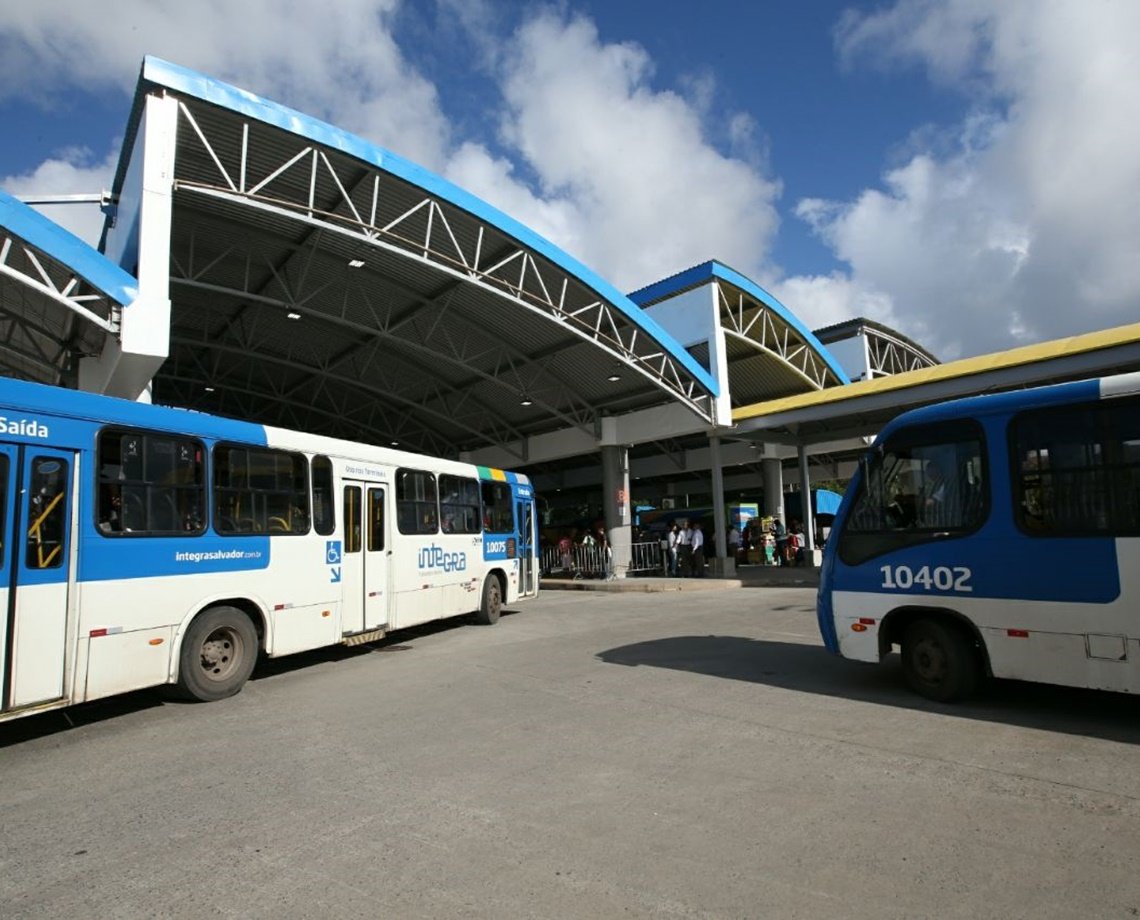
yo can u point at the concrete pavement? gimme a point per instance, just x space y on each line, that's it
593 755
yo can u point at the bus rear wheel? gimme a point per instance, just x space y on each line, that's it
492 605
218 655
939 661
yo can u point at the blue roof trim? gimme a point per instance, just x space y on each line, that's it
707 271
66 248
191 83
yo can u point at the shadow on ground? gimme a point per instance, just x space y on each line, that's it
62 720
811 669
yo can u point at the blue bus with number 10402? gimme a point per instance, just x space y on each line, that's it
999 536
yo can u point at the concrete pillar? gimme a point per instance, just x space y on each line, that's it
805 501
615 501
140 243
773 475
721 564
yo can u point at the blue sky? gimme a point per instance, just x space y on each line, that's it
963 170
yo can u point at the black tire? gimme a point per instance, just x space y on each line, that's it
492 605
940 661
218 655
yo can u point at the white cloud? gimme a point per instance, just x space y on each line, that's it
71 172
339 63
823 300
626 178
619 172
1029 229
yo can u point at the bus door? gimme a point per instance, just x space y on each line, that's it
364 565
524 514
36 486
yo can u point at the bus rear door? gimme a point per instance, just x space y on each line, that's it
364 566
36 571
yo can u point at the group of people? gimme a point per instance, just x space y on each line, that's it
685 550
789 542
686 546
584 539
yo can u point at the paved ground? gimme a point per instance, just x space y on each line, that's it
594 755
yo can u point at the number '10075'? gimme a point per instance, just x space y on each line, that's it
938 578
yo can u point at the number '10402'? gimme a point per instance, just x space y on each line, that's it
930 578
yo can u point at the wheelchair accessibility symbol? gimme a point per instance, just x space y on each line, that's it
332 558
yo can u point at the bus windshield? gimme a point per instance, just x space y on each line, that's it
924 483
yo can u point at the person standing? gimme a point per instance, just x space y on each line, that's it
671 549
698 544
781 536
685 550
733 542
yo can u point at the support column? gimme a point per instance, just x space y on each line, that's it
615 500
805 500
140 243
773 475
721 565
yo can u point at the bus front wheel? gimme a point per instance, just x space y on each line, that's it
218 655
939 661
492 605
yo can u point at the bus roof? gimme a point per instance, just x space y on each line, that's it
25 396
1001 403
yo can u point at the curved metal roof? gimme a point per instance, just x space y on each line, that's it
888 350
771 353
423 314
59 297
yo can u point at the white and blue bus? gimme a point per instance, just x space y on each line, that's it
142 545
997 535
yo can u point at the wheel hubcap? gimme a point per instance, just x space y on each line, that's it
220 653
930 662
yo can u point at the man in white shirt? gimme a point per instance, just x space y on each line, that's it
685 550
733 543
698 544
671 549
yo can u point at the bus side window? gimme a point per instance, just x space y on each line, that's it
498 508
1077 469
259 490
324 509
417 508
150 484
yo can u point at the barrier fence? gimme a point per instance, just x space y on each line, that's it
596 562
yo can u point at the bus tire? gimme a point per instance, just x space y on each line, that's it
939 661
492 605
217 656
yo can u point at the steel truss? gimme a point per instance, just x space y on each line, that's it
889 355
336 195
756 323
37 340
338 295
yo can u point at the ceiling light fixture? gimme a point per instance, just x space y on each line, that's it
615 375
292 314
526 401
209 389
356 263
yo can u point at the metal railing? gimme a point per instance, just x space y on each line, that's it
647 559
592 561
